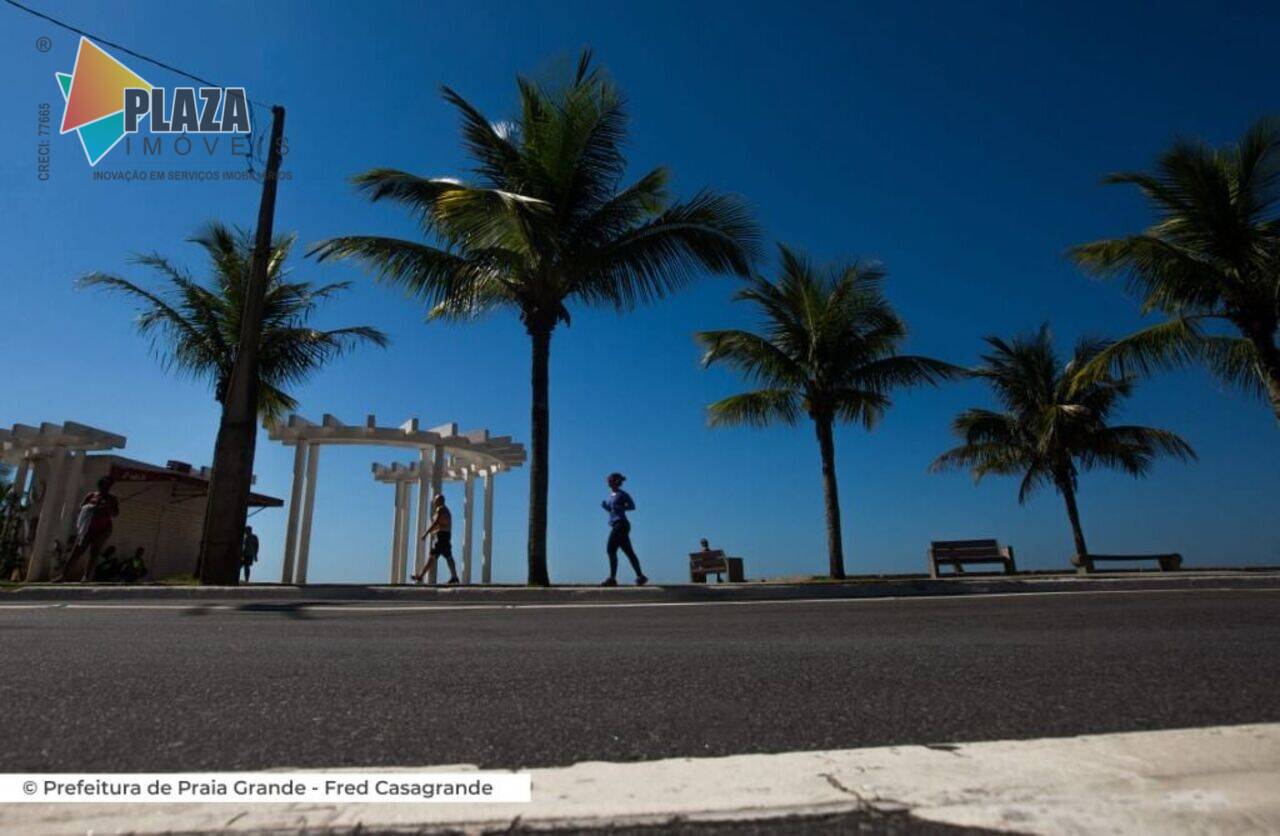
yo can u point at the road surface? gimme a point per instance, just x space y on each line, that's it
155 687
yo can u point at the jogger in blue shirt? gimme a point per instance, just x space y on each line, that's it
618 504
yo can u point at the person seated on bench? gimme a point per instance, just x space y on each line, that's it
707 560
711 561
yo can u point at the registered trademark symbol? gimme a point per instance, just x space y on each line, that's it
44 44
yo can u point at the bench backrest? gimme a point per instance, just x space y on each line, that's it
714 557
965 548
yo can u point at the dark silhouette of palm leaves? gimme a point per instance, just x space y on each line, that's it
1213 256
827 349
194 328
1052 424
546 221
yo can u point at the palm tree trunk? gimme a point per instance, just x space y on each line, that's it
1069 496
1269 367
831 494
540 422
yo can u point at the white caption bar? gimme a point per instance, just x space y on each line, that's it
267 787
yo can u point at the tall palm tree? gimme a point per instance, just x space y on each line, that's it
547 222
195 327
1052 426
827 349
1213 256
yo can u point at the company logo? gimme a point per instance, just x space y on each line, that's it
106 101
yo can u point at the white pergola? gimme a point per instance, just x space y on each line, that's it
65 447
470 454
405 477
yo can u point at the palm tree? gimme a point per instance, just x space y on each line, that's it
828 349
1053 426
1212 257
195 327
547 222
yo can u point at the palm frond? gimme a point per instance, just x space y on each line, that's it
195 327
756 409
710 233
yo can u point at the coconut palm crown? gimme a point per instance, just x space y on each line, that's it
1052 427
195 328
546 221
1210 264
827 349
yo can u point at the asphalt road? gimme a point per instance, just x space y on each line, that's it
263 686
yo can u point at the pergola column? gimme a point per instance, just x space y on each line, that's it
295 500
468 507
393 573
304 537
437 488
486 541
424 512
402 560
38 563
68 507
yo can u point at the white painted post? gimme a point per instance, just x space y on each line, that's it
69 508
38 564
304 539
402 560
486 544
393 574
295 500
468 507
437 488
424 511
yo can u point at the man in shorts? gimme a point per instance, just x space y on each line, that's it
441 544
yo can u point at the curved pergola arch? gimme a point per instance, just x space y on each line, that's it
441 450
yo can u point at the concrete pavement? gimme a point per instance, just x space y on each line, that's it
1201 781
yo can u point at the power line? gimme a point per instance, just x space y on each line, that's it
201 81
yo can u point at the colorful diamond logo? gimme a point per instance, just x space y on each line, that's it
94 95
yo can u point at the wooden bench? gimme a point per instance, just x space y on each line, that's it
1168 562
715 563
960 552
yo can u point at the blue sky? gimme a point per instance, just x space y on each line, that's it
961 144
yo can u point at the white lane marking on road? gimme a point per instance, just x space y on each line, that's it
1210 780
462 606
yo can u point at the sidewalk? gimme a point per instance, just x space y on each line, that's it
1184 781
861 587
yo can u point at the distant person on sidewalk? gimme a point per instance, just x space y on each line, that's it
442 543
618 504
93 529
248 551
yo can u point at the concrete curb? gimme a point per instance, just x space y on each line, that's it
1202 781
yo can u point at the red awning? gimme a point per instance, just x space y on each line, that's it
126 473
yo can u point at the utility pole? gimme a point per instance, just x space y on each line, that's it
232 476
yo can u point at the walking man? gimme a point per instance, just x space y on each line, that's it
441 544
618 504
248 551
